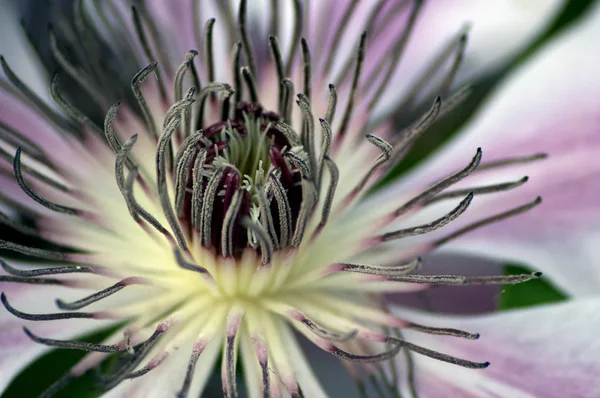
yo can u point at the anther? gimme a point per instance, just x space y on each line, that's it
432 226
102 294
489 220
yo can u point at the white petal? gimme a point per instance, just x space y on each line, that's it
550 351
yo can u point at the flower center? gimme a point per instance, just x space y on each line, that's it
233 169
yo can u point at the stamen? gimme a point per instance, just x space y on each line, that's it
334 175
429 227
31 95
331 104
278 61
75 345
155 35
398 51
437 62
386 154
462 280
33 251
17 225
283 209
289 133
237 81
407 137
338 352
33 195
79 76
69 109
251 84
229 222
489 220
109 130
161 180
306 68
183 162
137 92
456 99
208 50
141 34
440 186
438 355
198 189
153 364
338 35
226 12
262 356
135 360
355 80
246 42
265 215
288 85
266 245
30 281
443 331
46 317
447 83
109 291
229 384
309 197
207 206
183 263
46 271
15 138
382 270
189 374
321 331
139 211
429 279
274 17
300 163
34 173
211 88
511 161
57 386
308 139
297 31
327 134
479 190
179 75
122 155
503 279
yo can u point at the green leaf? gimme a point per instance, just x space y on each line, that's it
528 294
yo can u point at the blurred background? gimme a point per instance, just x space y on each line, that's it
35 15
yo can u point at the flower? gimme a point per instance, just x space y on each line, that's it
213 216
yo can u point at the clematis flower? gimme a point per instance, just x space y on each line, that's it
224 207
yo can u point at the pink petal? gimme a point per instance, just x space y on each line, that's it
549 351
549 105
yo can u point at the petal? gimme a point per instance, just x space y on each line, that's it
548 351
550 105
